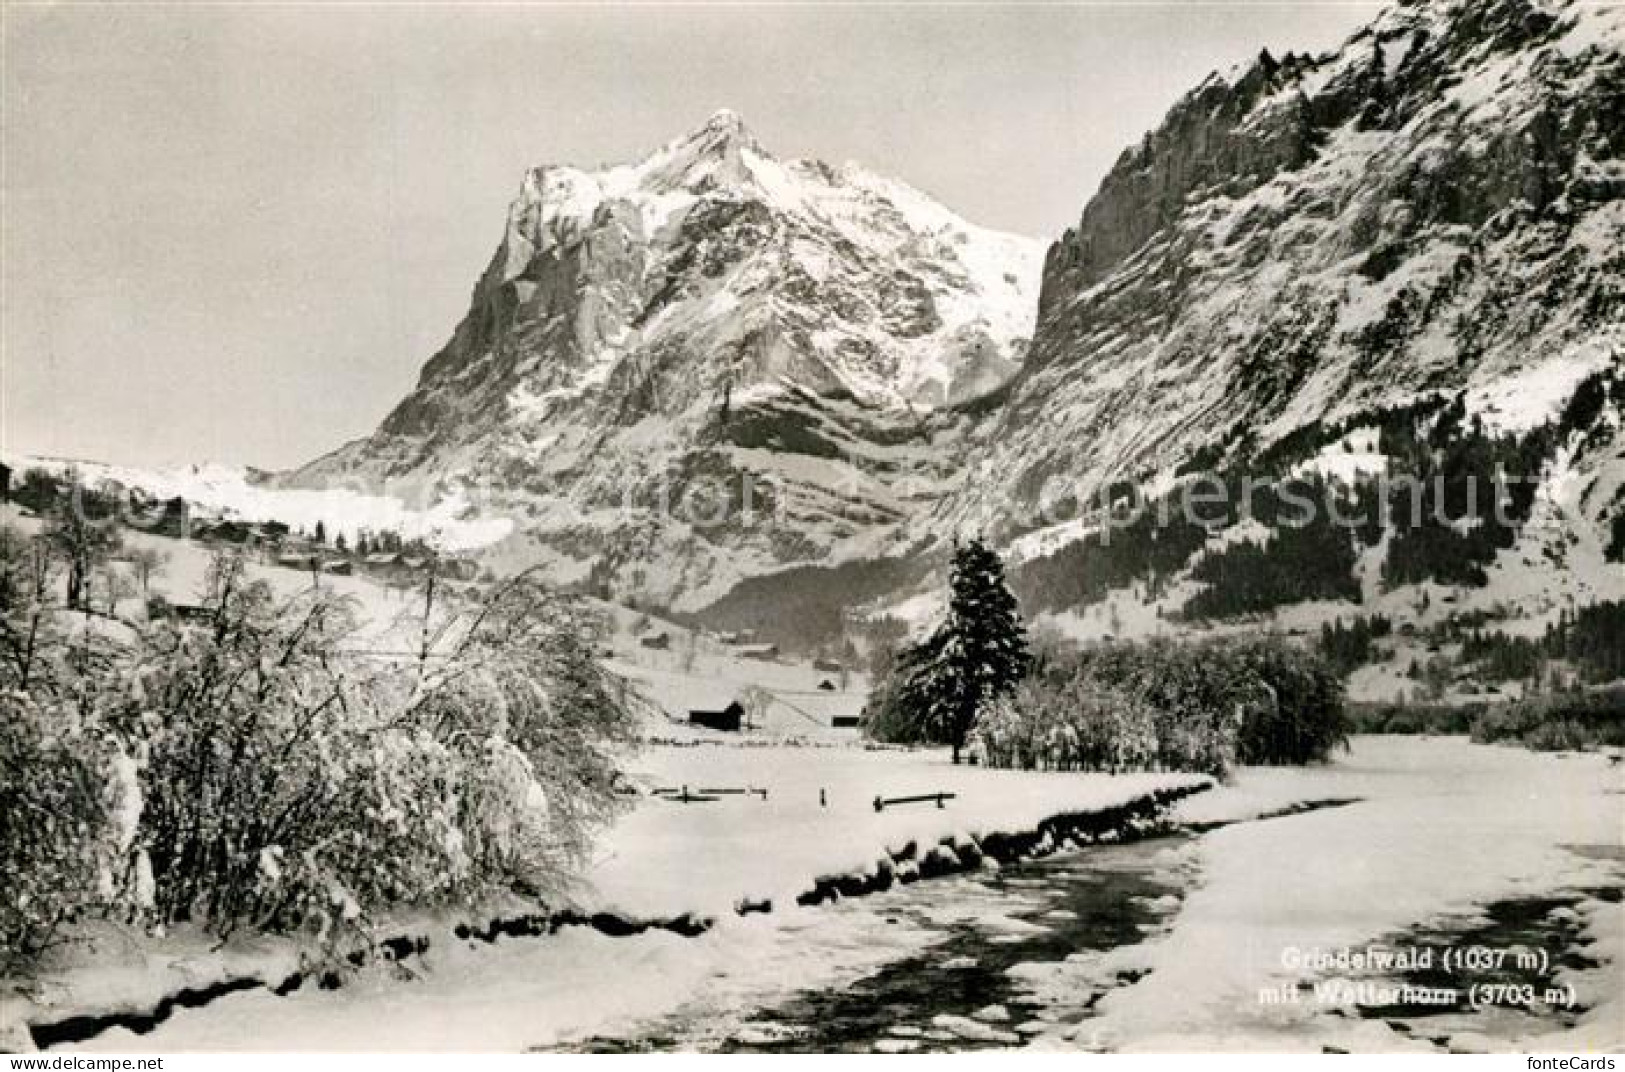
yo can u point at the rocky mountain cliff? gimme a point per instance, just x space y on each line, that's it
1436 207
661 353
1404 256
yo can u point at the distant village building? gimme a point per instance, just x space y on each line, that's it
729 719
823 707
238 532
459 569
655 641
720 709
760 652
828 666
191 613
338 567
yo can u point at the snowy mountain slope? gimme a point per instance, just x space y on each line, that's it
1429 220
231 492
719 382
1438 206
656 345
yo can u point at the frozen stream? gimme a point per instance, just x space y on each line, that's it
1498 872
1225 935
957 992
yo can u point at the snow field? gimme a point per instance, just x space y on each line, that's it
1443 827
705 858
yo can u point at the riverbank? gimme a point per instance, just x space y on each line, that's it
1189 942
760 831
1428 895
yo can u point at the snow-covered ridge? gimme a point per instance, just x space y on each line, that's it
228 492
978 278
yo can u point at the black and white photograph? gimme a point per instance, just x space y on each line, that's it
811 527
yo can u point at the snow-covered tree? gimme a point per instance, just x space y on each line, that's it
147 563
28 630
82 542
978 653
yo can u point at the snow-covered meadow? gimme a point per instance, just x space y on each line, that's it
1440 827
705 858
1433 834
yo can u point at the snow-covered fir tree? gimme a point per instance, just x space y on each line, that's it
979 652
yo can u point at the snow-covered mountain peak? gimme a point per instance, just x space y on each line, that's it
710 157
800 232
712 309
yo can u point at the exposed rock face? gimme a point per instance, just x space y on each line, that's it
710 327
1437 205
1436 209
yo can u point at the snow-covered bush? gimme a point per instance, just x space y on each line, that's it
1169 706
521 697
291 782
251 728
1115 731
1302 717
1067 725
257 768
1006 736
67 798
63 834
1559 721
1199 700
31 638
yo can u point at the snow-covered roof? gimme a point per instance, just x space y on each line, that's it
696 696
822 707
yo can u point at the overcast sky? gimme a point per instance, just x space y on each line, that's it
235 234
